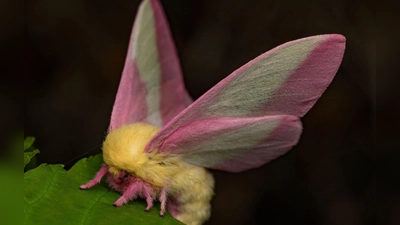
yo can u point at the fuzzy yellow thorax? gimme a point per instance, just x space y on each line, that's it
123 149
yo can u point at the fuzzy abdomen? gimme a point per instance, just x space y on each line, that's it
192 190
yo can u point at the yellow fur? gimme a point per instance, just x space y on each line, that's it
190 185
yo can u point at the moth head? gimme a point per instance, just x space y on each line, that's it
123 150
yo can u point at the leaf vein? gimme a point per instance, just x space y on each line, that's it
43 194
87 215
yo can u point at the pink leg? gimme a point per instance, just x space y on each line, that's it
163 200
147 193
103 170
130 193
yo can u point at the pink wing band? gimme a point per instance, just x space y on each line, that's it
130 103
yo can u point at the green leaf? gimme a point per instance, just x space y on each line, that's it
52 196
29 151
28 142
29 155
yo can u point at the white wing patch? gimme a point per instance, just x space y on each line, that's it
146 55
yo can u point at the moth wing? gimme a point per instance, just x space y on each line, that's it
234 144
151 88
286 80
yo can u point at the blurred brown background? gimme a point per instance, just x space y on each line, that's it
74 54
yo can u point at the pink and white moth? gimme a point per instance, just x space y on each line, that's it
160 142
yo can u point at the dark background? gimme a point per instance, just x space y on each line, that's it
74 52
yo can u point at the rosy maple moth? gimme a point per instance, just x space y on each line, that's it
160 143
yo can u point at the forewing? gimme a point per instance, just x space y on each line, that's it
151 88
286 80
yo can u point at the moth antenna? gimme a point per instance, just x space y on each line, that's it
83 154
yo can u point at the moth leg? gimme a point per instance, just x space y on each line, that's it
163 200
130 193
147 191
97 178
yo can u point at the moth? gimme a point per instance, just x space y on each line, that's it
160 143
